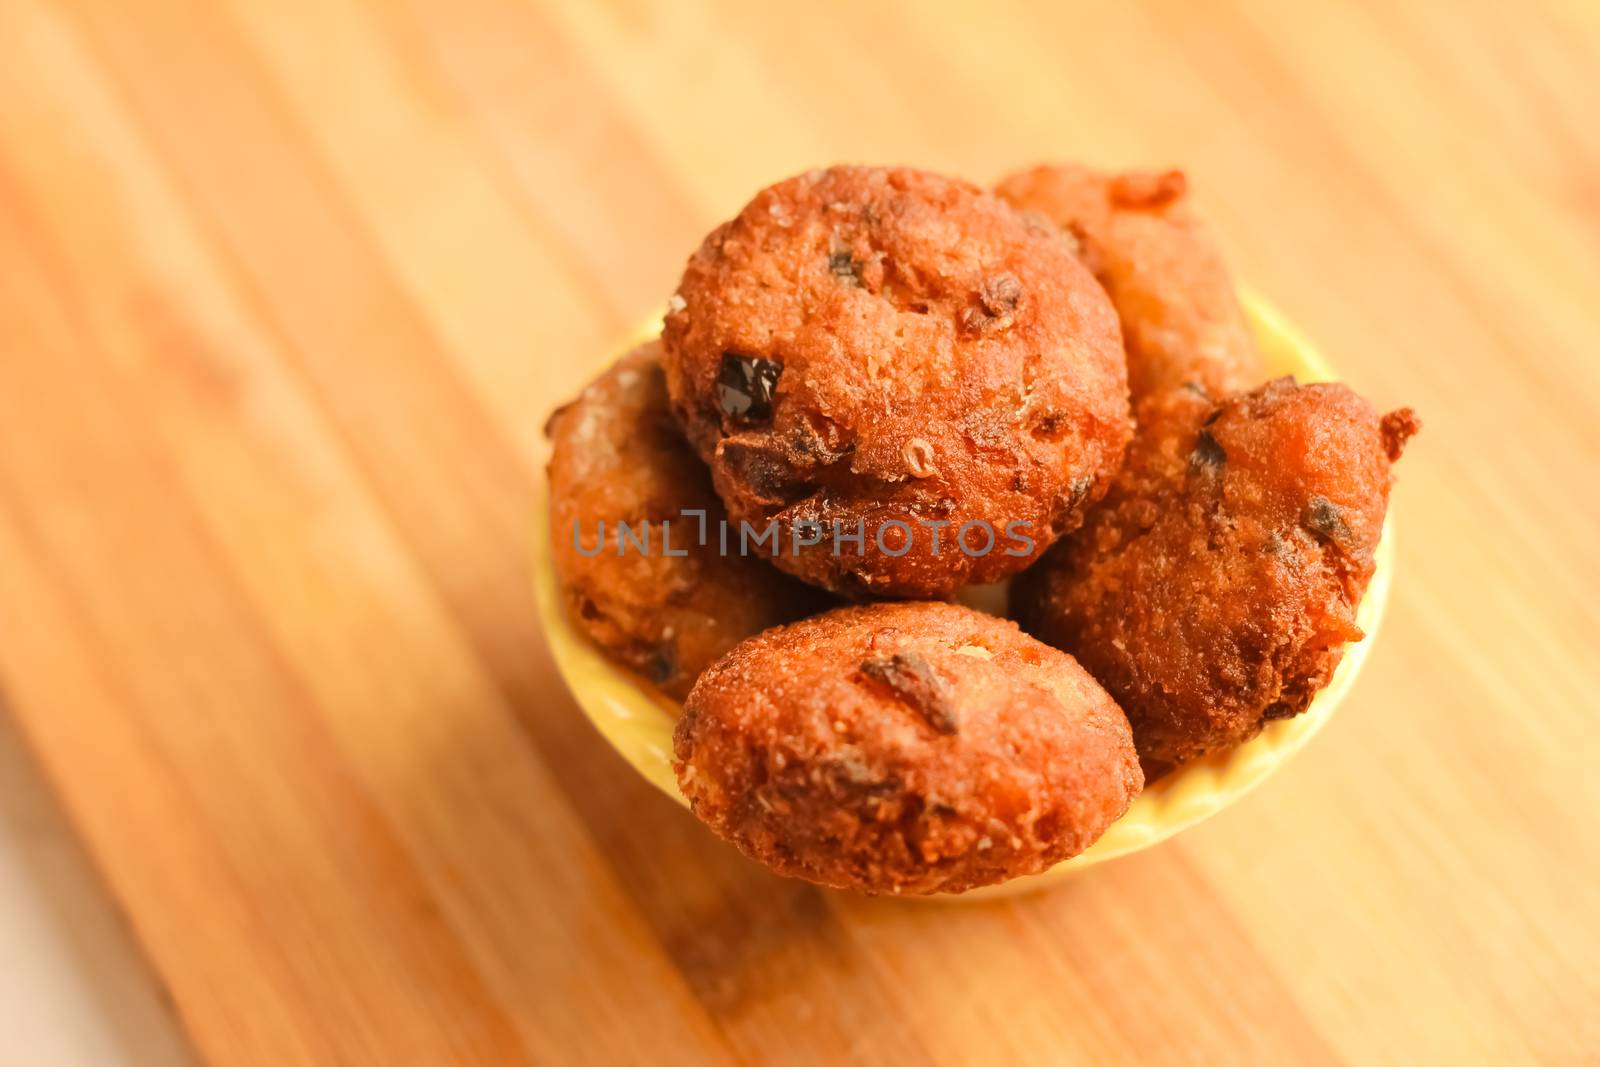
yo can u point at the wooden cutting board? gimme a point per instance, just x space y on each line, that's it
287 289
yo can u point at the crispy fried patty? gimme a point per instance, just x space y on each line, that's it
897 353
1215 588
618 457
904 748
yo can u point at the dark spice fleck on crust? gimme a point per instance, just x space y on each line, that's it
998 299
1001 294
1323 517
914 680
1207 452
663 665
844 267
745 385
765 470
1280 710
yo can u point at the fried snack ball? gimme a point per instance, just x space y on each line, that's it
1181 319
617 457
897 353
914 747
1214 589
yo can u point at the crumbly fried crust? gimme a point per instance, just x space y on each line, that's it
1181 319
618 456
904 748
863 346
1216 586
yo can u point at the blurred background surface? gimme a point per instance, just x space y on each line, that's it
287 290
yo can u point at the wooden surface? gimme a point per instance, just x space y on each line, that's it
287 288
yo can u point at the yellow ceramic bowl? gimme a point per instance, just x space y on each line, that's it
638 722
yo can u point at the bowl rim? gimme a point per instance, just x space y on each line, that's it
637 720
